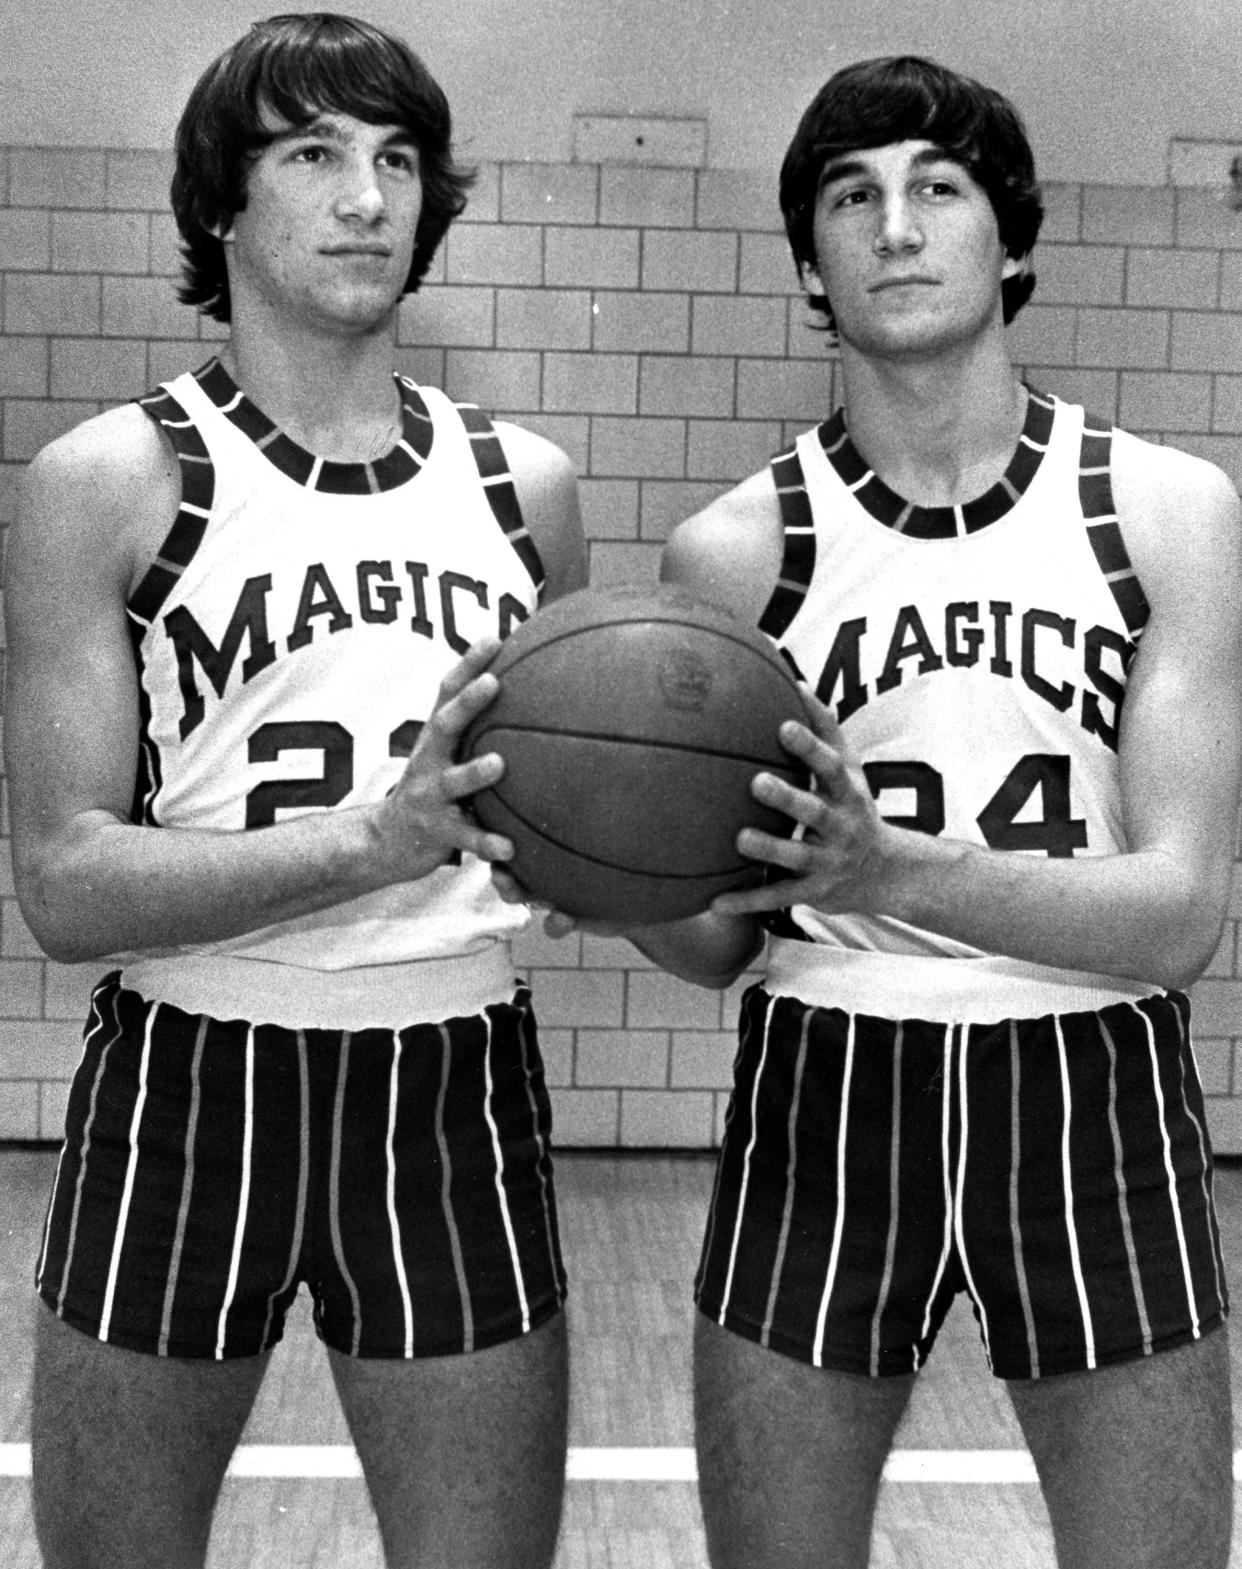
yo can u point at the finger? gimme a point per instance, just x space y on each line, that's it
791 855
821 718
473 775
470 667
804 806
507 885
478 842
754 901
557 924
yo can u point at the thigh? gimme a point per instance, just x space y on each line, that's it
129 1450
1136 1459
790 1456
464 1455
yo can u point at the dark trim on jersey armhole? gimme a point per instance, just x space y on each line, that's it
798 549
1099 510
198 487
501 492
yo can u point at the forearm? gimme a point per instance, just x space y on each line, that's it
1139 915
707 950
109 887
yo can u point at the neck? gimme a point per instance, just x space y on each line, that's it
333 396
939 432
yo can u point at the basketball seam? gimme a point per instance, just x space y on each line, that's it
611 739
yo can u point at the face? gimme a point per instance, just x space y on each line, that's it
328 229
908 249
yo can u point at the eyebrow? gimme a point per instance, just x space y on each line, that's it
850 165
329 131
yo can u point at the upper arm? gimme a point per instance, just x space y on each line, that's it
547 490
1181 732
71 702
730 553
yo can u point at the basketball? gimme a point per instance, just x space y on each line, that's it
631 722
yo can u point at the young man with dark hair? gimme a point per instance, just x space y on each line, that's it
968 1066
249 618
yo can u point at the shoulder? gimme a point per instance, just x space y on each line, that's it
107 489
538 465
1180 515
731 551
547 490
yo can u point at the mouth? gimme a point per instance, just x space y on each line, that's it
902 283
357 250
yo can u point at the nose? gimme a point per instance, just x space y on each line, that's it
897 227
361 195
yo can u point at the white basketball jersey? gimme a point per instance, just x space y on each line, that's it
293 631
976 656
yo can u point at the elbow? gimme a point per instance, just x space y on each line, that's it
54 919
1191 942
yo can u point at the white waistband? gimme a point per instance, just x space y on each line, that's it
944 991
379 996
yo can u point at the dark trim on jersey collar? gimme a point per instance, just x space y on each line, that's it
337 479
906 517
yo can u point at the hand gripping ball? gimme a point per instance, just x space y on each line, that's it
631 722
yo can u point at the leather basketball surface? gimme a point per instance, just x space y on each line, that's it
632 722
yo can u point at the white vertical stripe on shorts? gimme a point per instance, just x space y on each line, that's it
394 1225
959 1229
187 1189
1015 1222
894 1205
514 1256
790 1172
754 1133
1123 1202
1067 1177
446 1200
243 1197
839 1222
128 1192
1174 1201
299 1218
334 1191
946 1168
86 1149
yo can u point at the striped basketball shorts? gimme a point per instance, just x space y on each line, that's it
1056 1169
209 1168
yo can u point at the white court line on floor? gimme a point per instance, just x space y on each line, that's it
988 1466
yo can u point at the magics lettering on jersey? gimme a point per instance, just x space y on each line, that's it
374 597
1083 672
976 656
293 631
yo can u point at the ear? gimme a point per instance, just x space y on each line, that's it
1014 265
812 283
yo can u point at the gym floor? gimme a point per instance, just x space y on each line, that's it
959 1494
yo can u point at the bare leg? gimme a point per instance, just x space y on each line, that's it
465 1455
1136 1460
130 1450
790 1456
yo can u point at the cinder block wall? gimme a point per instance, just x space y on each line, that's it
648 321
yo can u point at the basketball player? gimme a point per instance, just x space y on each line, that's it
249 616
968 1067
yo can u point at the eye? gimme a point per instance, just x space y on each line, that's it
309 152
850 196
401 159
